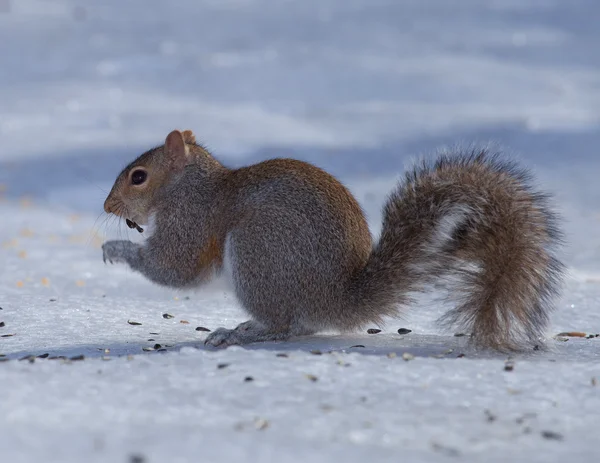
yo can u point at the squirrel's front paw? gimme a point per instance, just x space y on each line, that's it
115 251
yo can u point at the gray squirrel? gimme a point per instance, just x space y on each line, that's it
301 256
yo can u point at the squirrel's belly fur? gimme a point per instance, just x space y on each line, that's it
298 249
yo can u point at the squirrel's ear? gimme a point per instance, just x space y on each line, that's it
175 150
189 137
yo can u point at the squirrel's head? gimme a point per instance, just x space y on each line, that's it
132 196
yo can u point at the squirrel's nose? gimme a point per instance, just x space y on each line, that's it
108 206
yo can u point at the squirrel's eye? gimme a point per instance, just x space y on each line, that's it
138 177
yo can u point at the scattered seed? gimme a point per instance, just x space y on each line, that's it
151 340
373 331
77 358
184 322
572 334
154 334
404 331
282 355
313 378
536 347
316 352
7 335
161 350
147 349
459 335
137 459
201 328
57 357
43 356
157 346
459 356
392 355
357 345
168 316
52 300
220 366
248 379
133 323
407 356
261 424
2 324
490 416
448 451
552 435
169 345
509 366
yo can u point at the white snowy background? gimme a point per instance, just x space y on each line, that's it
359 87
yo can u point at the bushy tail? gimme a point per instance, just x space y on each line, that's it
477 221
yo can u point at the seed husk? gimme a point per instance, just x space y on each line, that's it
132 224
552 435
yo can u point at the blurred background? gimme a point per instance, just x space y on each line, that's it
358 87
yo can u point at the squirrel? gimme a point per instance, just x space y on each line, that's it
299 252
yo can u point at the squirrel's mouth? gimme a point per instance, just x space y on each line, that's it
132 224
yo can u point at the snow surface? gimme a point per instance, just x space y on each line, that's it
359 87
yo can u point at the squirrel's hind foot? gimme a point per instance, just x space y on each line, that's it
245 333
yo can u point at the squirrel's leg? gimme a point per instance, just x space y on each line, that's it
249 332
149 260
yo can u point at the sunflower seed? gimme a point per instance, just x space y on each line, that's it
404 331
201 328
373 331
168 316
133 323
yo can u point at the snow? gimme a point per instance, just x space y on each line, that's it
359 87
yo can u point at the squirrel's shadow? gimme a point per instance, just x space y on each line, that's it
407 347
